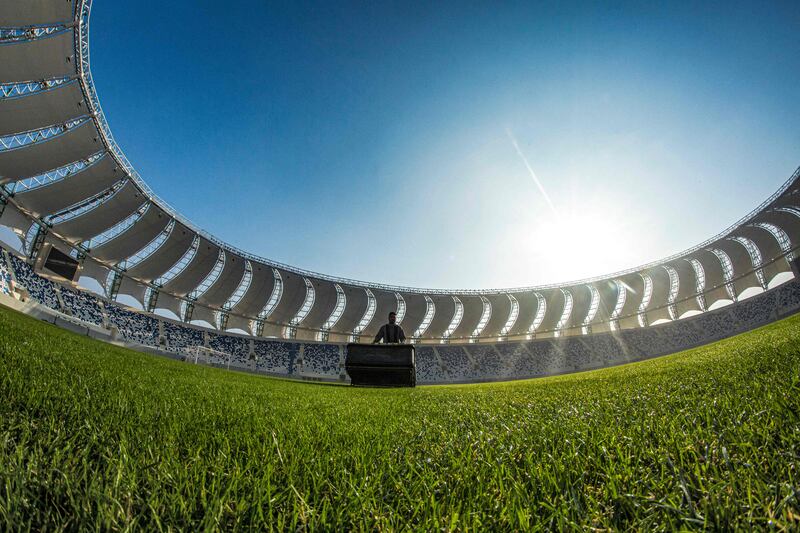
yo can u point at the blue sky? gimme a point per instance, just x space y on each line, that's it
377 141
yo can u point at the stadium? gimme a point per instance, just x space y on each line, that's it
668 398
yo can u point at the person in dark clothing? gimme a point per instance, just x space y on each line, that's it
390 333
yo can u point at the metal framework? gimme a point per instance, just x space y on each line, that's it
780 236
87 83
647 294
401 308
700 282
34 238
788 209
366 318
594 305
755 257
150 299
84 206
619 305
187 310
257 325
117 229
112 284
22 139
727 271
290 332
274 298
541 309
210 278
148 249
241 289
486 314
26 88
430 311
30 236
565 314
53 176
336 314
674 287
33 33
222 315
513 314
458 314
180 265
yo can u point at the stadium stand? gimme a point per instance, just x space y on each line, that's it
487 363
455 362
40 289
5 276
82 306
427 366
237 348
276 357
134 327
179 338
321 360
61 188
435 364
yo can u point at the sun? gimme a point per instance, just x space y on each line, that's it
579 242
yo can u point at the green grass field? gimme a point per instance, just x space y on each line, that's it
98 437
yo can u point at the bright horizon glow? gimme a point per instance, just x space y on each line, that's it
565 239
454 146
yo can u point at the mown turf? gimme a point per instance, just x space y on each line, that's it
94 436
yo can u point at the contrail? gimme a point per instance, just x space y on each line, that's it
531 172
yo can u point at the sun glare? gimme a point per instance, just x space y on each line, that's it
580 242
